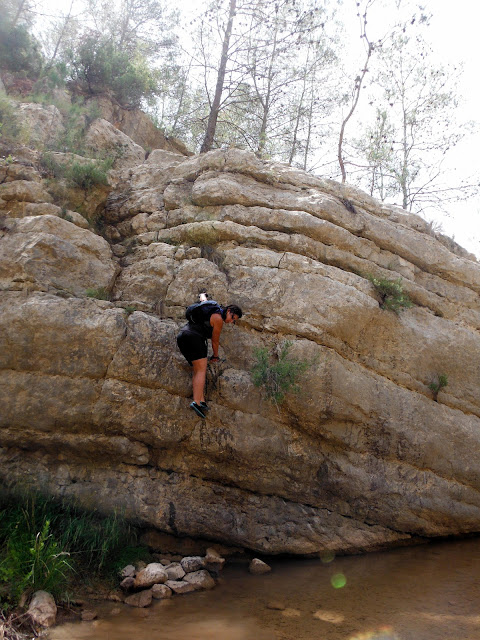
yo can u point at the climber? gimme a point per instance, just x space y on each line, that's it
205 321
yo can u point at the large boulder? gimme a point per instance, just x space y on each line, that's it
51 253
103 137
42 124
360 456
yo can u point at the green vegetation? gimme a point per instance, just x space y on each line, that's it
9 127
393 298
129 309
81 174
100 294
277 373
45 543
97 65
436 387
19 51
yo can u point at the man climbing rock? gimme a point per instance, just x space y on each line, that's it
205 322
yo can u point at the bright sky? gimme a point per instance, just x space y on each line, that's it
453 35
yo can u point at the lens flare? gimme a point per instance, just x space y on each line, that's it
327 557
338 581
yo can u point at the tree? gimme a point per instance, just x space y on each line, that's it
415 127
358 84
222 69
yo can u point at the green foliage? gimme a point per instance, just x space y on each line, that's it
129 309
393 298
9 127
19 52
33 560
277 373
100 294
99 66
85 174
436 387
44 542
88 174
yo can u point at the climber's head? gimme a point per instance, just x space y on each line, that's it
231 314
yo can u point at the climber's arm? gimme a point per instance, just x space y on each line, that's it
217 323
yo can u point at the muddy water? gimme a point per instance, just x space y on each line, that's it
423 593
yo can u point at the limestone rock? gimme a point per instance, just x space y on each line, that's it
42 609
138 126
102 135
43 123
47 252
127 571
153 573
180 586
141 599
257 567
213 560
192 563
161 592
95 394
175 571
200 579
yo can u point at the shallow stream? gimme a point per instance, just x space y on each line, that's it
429 592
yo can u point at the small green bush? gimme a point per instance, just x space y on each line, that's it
436 387
87 175
393 298
100 294
81 174
129 309
278 374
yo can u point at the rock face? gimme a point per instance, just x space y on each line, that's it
95 393
42 609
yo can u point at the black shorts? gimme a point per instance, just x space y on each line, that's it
192 345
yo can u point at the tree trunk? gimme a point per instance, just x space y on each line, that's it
214 109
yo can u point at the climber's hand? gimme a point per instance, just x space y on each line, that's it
214 359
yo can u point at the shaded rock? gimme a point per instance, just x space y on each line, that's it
88 615
141 599
192 563
127 583
161 591
138 126
180 586
153 573
276 605
258 567
42 609
200 579
213 560
175 571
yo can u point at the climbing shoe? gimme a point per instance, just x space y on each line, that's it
204 406
198 410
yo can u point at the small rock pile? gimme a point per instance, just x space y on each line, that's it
160 580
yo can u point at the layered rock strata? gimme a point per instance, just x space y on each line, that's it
96 396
